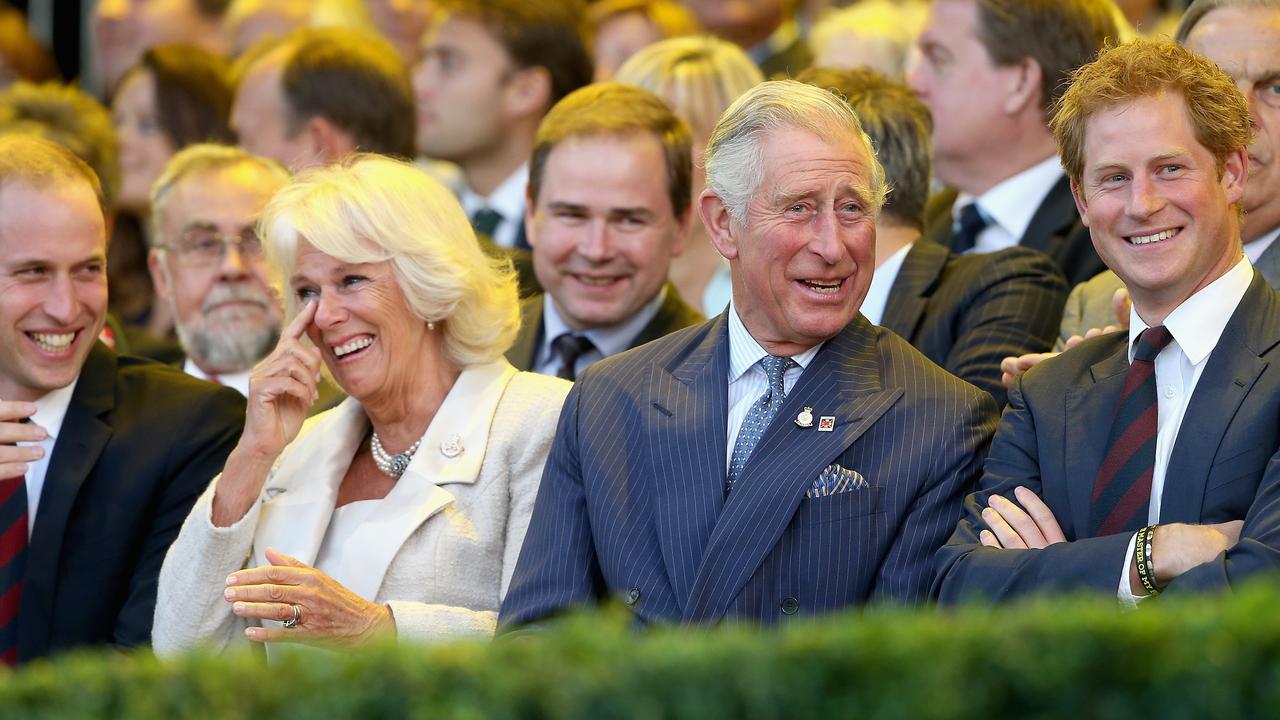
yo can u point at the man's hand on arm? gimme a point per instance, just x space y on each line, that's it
1030 526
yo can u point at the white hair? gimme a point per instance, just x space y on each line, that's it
372 209
734 158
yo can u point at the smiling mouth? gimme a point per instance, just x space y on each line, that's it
1154 238
53 342
826 287
353 347
591 281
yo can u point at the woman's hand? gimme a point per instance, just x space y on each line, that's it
328 614
281 390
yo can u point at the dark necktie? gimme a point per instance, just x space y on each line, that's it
569 348
13 558
759 416
971 223
485 221
1122 489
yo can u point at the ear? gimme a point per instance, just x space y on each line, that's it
530 221
683 222
159 277
1025 87
1082 207
328 141
1235 170
718 224
528 93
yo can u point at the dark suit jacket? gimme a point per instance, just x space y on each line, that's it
1054 434
330 394
969 312
632 502
673 314
1055 230
139 443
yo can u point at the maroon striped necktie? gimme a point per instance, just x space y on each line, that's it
13 559
1122 490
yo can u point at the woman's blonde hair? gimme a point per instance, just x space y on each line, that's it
370 208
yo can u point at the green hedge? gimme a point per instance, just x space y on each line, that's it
1206 657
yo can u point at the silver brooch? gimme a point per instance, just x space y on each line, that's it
452 447
805 418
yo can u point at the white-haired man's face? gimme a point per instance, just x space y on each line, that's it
211 271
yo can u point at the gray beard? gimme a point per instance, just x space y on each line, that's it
231 351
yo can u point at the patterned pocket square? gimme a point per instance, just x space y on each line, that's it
834 480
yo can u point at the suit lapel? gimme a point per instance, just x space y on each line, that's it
673 314
1088 410
1230 373
1269 264
523 352
81 440
1055 216
686 427
844 381
909 295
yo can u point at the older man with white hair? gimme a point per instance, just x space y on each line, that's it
207 261
785 458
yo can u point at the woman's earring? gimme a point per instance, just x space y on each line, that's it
431 326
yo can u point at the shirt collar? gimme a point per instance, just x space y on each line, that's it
1198 322
609 340
51 409
1253 250
745 352
236 381
507 199
1013 202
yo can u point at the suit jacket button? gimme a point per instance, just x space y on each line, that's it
633 596
790 606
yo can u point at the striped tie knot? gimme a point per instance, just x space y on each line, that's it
1151 342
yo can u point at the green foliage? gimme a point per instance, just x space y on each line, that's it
1200 657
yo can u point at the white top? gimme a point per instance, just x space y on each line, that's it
1011 204
1195 325
338 555
507 200
609 340
236 381
51 410
747 380
881 283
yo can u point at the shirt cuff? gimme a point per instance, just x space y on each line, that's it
1125 592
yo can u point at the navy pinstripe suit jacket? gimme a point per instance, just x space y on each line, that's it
632 502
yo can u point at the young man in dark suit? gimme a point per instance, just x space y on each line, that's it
964 312
1141 460
609 192
111 451
785 459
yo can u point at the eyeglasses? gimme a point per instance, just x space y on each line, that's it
207 246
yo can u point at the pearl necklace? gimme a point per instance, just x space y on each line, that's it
392 465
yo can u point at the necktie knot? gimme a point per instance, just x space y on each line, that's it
775 367
569 347
972 222
1151 342
486 220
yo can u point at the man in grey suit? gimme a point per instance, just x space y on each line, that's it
1139 460
609 188
784 459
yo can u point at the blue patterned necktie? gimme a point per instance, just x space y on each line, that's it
759 416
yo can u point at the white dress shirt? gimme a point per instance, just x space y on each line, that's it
1011 204
236 381
747 380
877 298
1253 250
608 341
507 200
1196 325
51 410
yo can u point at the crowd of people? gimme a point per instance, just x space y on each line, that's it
335 321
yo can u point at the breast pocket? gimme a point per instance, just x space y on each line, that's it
832 508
